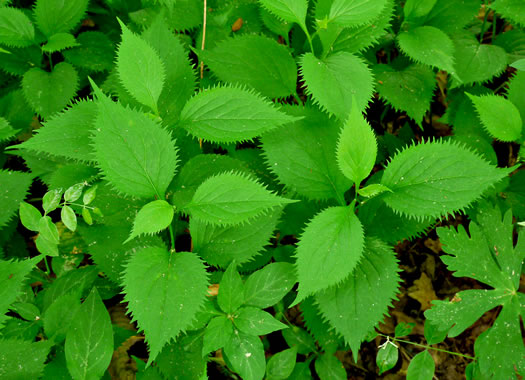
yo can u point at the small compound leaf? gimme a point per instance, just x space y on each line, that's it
58 16
152 218
281 365
328 367
29 216
15 355
421 367
48 230
74 192
231 290
69 218
254 321
269 285
230 114
51 200
46 247
352 13
16 29
387 356
246 354
218 332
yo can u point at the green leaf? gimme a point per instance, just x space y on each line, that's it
269 285
373 190
13 190
140 69
45 246
351 13
74 192
219 245
12 277
246 354
335 81
183 359
231 198
519 64
48 93
16 29
22 360
436 178
89 340
58 42
58 16
139 160
94 52
500 117
318 327
231 290
417 8
421 367
328 367
218 332
177 289
59 316
6 131
254 61
328 261
299 338
152 218
513 10
29 216
356 148
302 155
48 230
89 195
475 62
80 279
428 45
403 329
230 114
409 89
451 16
281 365
51 200
515 91
364 296
287 10
69 218
387 356
254 321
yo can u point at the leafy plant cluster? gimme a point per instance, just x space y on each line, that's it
195 173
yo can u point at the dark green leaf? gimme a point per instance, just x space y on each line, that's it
231 290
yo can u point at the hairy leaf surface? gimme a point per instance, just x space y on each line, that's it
351 13
59 16
288 10
16 29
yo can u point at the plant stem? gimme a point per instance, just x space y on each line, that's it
203 36
484 22
172 238
308 37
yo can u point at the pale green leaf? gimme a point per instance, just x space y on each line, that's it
364 297
74 192
48 93
140 69
231 198
269 285
231 290
500 117
16 29
254 321
514 10
152 218
230 114
428 45
48 230
435 178
29 216
45 246
519 64
51 200
387 356
13 189
12 276
421 367
218 332
69 218
177 289
246 354
335 255
58 42
351 13
139 159
22 360
281 365
89 340
328 367
59 316
356 148
287 10
59 16
257 62
302 155
335 81
94 52
373 190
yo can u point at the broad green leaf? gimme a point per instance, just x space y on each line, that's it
19 60
89 340
12 277
269 285
80 279
95 52
230 114
231 198
48 230
60 315
22 360
29 216
275 24
513 10
408 90
254 321
421 367
138 160
328 261
387 356
254 61
58 42
140 69
327 338
351 13
451 16
519 64
246 354
302 155
152 218
356 148
500 117
328 367
299 338
69 218
436 178
428 45
301 371
417 8
45 246
475 62
16 29
334 81
364 297
66 134
177 289
219 245
288 10
13 189
281 365
218 332
59 16
231 290
48 93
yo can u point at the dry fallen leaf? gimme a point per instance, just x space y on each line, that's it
422 291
